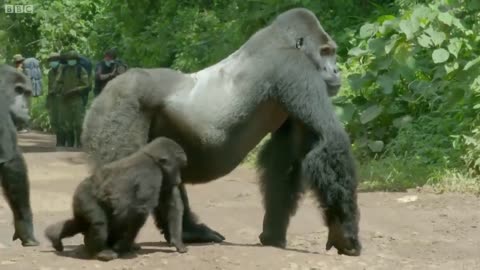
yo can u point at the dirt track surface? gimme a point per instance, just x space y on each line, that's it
430 232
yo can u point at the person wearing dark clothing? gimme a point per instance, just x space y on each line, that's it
53 97
104 71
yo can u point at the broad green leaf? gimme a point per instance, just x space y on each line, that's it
355 81
437 37
440 56
472 63
376 146
421 12
391 43
345 112
382 63
367 30
445 18
455 46
386 83
73 33
411 62
407 28
402 52
425 41
387 27
451 67
385 18
358 81
370 113
357 52
476 107
377 45
458 24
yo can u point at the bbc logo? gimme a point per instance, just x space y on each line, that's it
18 8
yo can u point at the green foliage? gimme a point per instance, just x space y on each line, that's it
422 61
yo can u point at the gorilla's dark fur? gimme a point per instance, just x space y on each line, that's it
112 205
15 90
278 82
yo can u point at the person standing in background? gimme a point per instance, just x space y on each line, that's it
53 97
71 82
104 71
18 63
32 68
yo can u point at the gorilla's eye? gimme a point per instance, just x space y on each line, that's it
299 43
19 90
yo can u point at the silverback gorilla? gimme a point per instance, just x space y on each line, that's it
15 89
112 205
278 82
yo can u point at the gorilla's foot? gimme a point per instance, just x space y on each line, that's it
28 241
53 234
345 241
106 255
269 239
24 232
200 233
179 246
181 249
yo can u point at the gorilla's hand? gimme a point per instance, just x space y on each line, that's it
344 240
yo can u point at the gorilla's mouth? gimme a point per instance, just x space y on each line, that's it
333 86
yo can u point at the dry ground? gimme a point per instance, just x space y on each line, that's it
431 232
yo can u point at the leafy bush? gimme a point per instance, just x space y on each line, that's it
423 61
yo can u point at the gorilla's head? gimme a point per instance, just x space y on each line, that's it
15 91
302 31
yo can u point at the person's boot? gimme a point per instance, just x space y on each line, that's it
60 139
78 140
70 139
24 232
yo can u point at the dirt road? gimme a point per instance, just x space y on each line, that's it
419 231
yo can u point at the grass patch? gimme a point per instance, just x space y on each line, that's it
396 174
392 174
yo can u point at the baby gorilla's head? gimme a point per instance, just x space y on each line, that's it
169 156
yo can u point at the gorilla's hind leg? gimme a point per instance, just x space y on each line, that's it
280 185
333 178
15 184
56 232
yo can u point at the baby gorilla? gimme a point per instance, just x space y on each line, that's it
111 206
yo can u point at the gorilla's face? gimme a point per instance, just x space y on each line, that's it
17 89
172 166
302 30
322 51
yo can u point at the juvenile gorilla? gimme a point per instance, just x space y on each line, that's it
15 90
111 206
278 82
